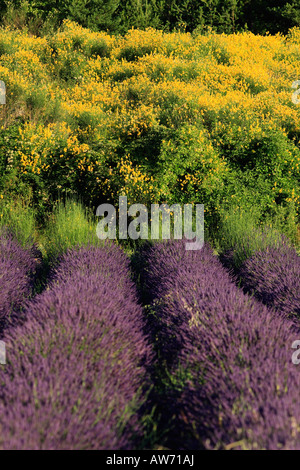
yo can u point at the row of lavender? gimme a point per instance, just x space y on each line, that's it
273 276
230 379
18 266
76 368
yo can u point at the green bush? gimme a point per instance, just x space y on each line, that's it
190 170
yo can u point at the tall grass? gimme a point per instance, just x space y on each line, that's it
241 236
70 224
19 217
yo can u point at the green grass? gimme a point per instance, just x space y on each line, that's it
242 233
19 217
69 225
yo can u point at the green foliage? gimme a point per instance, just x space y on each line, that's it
93 14
8 139
140 14
22 14
272 16
38 16
190 170
228 16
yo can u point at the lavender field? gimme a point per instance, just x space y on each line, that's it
192 357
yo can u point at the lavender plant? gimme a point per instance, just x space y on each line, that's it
17 268
273 275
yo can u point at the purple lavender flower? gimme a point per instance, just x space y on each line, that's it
273 275
17 268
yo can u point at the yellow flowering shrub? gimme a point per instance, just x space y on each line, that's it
131 181
157 116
